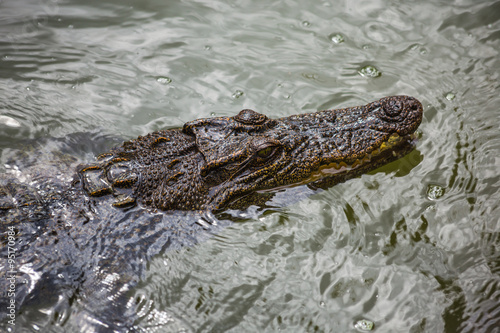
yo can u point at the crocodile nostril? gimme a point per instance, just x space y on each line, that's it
414 106
393 108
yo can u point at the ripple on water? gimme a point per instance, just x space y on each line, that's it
9 122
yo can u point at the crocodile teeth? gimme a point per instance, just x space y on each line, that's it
124 201
356 163
95 183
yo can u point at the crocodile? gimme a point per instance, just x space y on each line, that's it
80 234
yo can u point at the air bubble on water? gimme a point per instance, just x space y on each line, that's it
336 38
163 80
450 96
310 76
364 325
306 23
369 71
434 191
237 94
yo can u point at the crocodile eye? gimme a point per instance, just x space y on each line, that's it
266 152
263 151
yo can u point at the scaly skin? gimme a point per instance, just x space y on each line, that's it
78 256
212 162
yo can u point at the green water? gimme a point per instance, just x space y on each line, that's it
414 247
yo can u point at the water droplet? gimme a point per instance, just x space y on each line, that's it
434 192
237 94
213 114
336 38
369 71
364 325
322 304
306 23
450 96
208 47
164 80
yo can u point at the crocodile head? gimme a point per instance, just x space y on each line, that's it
220 162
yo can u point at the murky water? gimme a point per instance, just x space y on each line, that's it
413 247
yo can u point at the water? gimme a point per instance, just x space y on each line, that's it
413 247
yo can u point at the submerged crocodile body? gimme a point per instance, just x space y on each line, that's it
85 239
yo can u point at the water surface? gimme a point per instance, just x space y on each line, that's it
413 247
